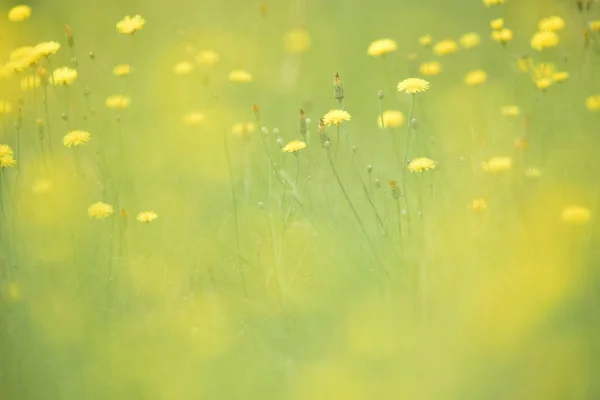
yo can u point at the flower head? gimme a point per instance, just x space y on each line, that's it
122 70
64 76
7 161
183 68
595 25
297 41
560 76
543 40
76 138
476 77
489 3
336 117
129 25
118 102
430 68
592 103
421 164
479 205
294 146
469 40
503 36
47 48
553 23
382 47
147 216
497 164
207 57
425 40
100 210
576 215
6 150
445 47
497 24
544 83
240 76
413 85
193 118
19 13
22 58
391 119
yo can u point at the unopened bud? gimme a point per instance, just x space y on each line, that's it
264 131
92 55
338 88
256 110
353 149
87 91
40 129
380 94
279 142
377 183
69 34
75 62
369 168
302 123
261 205
64 116
414 124
327 144
276 132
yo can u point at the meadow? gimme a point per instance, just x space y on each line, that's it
300 200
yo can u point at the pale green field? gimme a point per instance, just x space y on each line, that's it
307 275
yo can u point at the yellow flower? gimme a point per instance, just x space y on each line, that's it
544 40
22 58
47 48
476 77
122 70
533 173
243 128
129 25
391 119
504 35
595 25
240 76
207 57
553 23
592 103
421 164
497 164
6 150
117 102
413 85
297 41
497 23
544 83
19 13
100 210
183 68
5 107
30 82
425 40
76 138
193 118
147 216
560 76
7 161
382 47
489 3
479 205
469 40
510 111
576 215
445 47
64 76
430 68
336 117
294 146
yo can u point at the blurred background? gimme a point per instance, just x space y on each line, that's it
306 275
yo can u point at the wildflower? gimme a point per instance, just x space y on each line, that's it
497 23
382 47
503 36
479 205
5 107
19 13
243 128
445 47
560 76
425 40
469 40
421 164
553 23
297 41
183 68
489 3
240 76
64 76
294 146
533 173
391 119
592 103
7 161
207 57
76 138
510 111
122 70
22 58
497 164
521 144
523 63
595 25
430 68
118 102
47 48
476 77
129 25
193 118
336 117
543 40
100 210
6 150
413 85
147 216
395 189
544 83
576 215
30 82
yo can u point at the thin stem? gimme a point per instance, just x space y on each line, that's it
404 164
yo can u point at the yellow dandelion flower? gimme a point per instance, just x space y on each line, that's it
425 40
413 85
421 164
543 40
41 185
489 3
147 216
576 215
183 68
497 23
129 25
64 76
76 138
497 164
510 111
30 82
544 83
207 58
533 173
336 117
193 118
504 35
100 210
47 48
22 58
382 47
476 77
21 52
560 76
430 68
553 23
595 25
19 13
592 103
243 128
6 150
122 70
294 146
240 76
118 102
5 107
297 41
7 161
469 40
445 47
479 205
391 119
